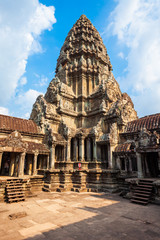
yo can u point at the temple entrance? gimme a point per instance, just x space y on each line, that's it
28 164
59 153
6 160
42 161
151 164
102 153
10 164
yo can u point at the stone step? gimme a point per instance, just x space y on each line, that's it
140 197
16 196
145 186
13 187
139 202
16 200
13 193
13 184
141 194
143 189
146 183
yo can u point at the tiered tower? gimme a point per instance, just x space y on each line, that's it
83 110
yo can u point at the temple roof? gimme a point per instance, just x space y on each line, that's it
125 147
18 124
30 147
150 122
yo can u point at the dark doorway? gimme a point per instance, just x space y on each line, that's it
5 164
152 162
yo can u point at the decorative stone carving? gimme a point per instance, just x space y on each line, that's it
144 138
113 133
15 140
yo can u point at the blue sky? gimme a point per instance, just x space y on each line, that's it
33 33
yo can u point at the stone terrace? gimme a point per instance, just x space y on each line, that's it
78 216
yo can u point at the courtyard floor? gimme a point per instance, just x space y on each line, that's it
82 216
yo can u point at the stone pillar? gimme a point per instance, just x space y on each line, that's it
81 149
146 165
74 149
88 150
30 164
118 163
52 156
94 150
139 165
11 169
64 153
130 164
47 161
1 154
110 156
99 153
21 164
69 149
35 164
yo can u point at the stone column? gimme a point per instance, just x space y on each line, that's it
99 153
52 156
94 150
146 165
1 154
81 149
21 164
88 150
110 157
30 164
130 164
118 163
64 153
11 169
74 149
47 161
69 149
35 164
139 165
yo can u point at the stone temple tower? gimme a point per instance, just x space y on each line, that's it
83 65
83 110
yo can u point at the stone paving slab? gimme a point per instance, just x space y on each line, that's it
81 216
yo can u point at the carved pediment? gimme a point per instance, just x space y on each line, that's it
144 138
15 140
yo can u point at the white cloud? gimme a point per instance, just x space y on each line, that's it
121 55
137 26
26 100
42 80
23 81
4 111
21 23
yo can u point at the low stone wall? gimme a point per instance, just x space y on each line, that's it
96 180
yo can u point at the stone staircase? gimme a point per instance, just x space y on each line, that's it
143 191
14 190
